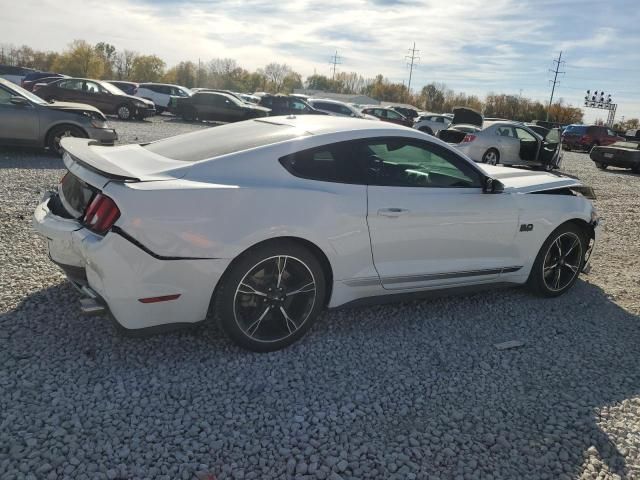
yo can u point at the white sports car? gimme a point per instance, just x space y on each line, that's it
266 222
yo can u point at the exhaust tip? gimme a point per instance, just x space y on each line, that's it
89 306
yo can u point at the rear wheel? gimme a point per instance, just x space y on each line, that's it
601 166
559 261
270 296
55 136
491 157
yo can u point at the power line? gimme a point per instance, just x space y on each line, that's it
412 57
335 60
555 81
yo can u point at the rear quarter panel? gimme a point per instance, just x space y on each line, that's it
251 201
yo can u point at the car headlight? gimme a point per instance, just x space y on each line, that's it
140 104
97 121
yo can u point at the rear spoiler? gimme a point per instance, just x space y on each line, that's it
77 150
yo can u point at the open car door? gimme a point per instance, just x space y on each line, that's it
550 151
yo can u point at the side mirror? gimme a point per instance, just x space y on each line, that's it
491 185
20 101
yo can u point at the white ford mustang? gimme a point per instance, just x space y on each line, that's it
267 222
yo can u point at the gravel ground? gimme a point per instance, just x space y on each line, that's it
403 391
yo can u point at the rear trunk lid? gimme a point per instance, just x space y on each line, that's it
98 165
467 116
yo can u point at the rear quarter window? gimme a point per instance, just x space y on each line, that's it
329 163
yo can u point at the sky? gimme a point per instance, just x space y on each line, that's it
475 46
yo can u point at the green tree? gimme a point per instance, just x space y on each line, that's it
107 53
80 60
147 68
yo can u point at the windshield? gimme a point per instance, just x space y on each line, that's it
26 94
112 88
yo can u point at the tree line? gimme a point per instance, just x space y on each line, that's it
105 61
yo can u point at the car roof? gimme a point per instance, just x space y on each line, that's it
163 84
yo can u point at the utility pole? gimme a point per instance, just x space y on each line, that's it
411 58
555 72
335 60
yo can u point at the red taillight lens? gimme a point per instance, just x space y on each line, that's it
101 214
468 138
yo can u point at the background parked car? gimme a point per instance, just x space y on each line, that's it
41 82
102 95
14 74
410 113
388 115
585 137
287 105
505 142
30 79
221 107
619 154
130 88
431 123
633 134
335 107
27 120
160 94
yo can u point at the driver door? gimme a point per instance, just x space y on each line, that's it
430 224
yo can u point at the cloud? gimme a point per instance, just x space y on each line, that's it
475 45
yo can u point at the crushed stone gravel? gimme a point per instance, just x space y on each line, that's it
400 391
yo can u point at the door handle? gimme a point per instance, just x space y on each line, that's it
392 212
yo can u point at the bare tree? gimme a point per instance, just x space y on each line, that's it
276 73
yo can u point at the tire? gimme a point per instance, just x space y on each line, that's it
562 252
189 114
635 169
426 130
59 132
125 111
601 166
250 303
491 157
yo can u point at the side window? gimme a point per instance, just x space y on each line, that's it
440 119
71 84
344 110
91 87
611 133
393 115
505 132
401 162
5 97
378 112
330 163
298 106
524 135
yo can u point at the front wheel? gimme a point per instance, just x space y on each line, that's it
559 261
270 296
55 136
491 157
124 112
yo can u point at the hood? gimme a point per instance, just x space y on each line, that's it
466 116
138 99
528 181
73 107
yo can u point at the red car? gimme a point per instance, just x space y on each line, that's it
388 115
585 137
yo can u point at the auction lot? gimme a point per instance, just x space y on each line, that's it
413 390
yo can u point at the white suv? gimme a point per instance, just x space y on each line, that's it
432 124
160 94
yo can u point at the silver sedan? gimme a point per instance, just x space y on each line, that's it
509 143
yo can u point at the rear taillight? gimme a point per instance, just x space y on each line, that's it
468 138
101 214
